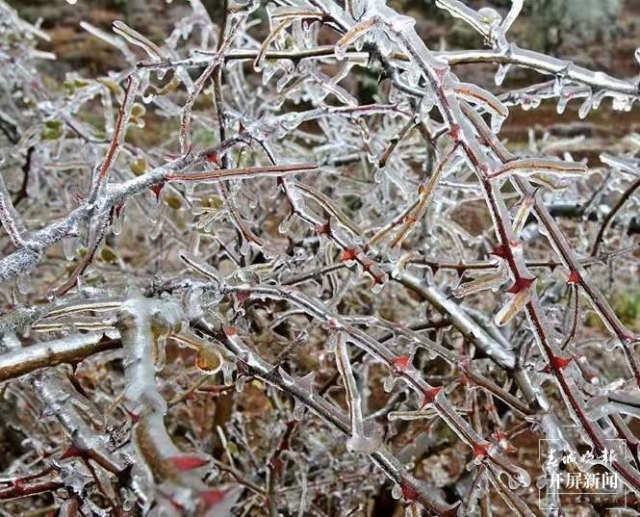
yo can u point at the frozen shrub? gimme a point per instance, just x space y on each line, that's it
231 286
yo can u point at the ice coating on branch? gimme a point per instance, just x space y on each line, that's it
513 306
586 107
357 441
411 229
141 323
492 282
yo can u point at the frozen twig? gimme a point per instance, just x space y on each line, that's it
144 325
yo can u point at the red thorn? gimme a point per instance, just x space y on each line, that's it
379 276
324 228
401 363
332 324
480 450
409 493
379 280
277 465
430 395
230 331
574 278
454 132
243 296
500 251
520 284
501 438
210 498
508 448
348 254
212 158
499 435
156 189
183 463
560 363
71 452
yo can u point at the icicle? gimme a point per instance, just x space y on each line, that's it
156 229
496 123
562 103
502 73
245 247
481 284
160 355
412 76
411 415
69 246
340 52
529 166
208 360
107 110
241 382
597 99
558 84
357 441
621 103
137 39
377 287
117 222
285 225
513 306
529 102
287 76
585 108
227 373
389 383
522 214
518 478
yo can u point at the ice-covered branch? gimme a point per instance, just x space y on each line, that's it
308 194
70 350
144 325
